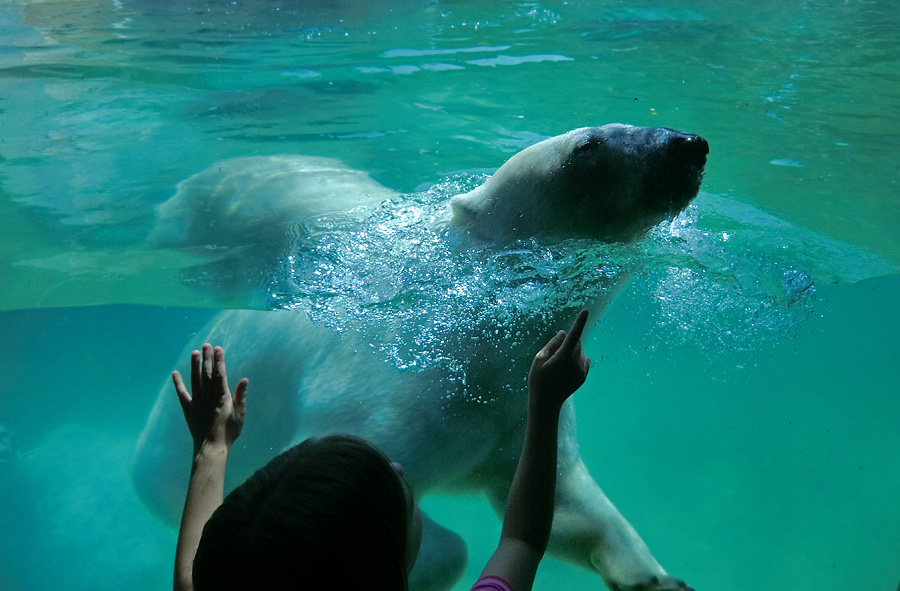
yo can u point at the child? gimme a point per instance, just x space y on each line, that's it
334 511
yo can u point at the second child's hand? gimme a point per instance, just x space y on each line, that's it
213 417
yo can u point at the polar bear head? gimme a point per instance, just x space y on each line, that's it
611 183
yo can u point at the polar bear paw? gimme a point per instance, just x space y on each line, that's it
627 565
653 583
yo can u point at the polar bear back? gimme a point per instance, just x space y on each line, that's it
248 201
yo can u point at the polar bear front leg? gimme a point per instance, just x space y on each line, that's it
589 531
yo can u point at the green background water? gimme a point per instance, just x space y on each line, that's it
752 450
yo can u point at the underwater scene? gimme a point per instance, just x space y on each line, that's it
166 164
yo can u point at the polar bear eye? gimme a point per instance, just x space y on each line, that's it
588 145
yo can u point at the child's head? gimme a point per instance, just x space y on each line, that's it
332 510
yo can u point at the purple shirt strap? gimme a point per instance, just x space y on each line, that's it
491 584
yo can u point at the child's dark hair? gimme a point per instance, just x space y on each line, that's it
328 513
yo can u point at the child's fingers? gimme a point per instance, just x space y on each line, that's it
552 346
574 335
206 370
196 384
240 398
183 397
218 369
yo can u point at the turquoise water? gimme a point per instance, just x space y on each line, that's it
743 409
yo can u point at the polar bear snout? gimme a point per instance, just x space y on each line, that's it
692 147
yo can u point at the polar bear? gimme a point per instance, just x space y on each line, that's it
455 422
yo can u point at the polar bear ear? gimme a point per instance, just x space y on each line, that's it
588 143
466 208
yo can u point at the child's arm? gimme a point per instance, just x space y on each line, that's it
557 371
214 420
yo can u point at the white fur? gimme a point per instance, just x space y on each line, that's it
451 428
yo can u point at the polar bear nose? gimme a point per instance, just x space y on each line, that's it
692 146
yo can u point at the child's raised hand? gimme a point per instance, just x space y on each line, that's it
561 366
212 416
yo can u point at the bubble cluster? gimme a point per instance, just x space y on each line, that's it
714 290
398 274
423 297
